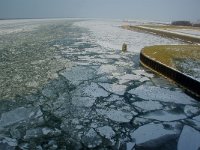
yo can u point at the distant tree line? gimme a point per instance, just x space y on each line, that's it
185 23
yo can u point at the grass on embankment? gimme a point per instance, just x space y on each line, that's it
185 38
167 53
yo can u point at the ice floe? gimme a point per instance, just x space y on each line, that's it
78 74
143 73
91 139
161 94
189 139
92 90
190 110
115 115
153 135
7 143
148 105
197 118
106 132
83 101
164 115
107 69
128 77
114 88
19 114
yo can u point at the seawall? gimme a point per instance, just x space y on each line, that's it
188 83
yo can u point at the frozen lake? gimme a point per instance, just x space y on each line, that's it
65 84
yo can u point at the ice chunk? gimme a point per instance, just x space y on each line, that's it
50 132
40 132
106 69
143 73
161 94
189 139
113 98
87 93
7 143
130 145
148 105
83 101
91 139
141 121
164 115
78 74
153 135
116 115
197 118
106 132
113 56
18 115
128 77
143 79
94 90
114 88
122 63
190 110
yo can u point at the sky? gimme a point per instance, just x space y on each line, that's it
155 10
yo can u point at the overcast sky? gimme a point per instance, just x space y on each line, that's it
164 10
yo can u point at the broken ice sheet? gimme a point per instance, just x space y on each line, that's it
161 94
190 110
83 101
128 77
143 73
20 114
148 105
189 139
153 135
7 143
115 115
78 74
113 98
91 139
107 69
164 115
106 132
92 90
114 88
122 63
197 118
